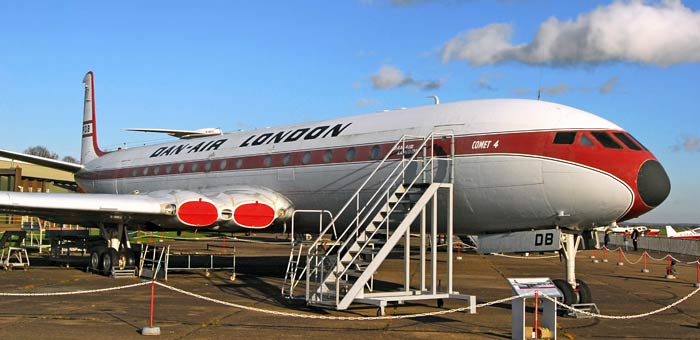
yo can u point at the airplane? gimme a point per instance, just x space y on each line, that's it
688 234
641 229
520 166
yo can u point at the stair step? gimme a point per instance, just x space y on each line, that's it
366 251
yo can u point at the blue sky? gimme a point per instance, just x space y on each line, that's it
247 64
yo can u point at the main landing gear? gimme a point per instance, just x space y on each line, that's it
117 254
574 291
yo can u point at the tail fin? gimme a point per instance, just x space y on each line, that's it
670 232
90 150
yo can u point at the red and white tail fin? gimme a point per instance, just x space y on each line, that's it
90 150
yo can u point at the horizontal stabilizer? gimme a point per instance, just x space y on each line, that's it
182 134
47 162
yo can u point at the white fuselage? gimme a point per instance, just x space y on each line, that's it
508 175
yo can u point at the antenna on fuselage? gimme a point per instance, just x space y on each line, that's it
435 98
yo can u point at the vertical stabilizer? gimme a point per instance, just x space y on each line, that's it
90 150
670 232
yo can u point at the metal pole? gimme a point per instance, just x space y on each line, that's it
153 293
422 249
407 261
450 226
433 247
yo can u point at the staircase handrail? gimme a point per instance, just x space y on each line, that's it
355 196
384 189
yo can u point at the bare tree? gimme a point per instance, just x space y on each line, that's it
41 151
70 159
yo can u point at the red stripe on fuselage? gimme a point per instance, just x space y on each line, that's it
623 163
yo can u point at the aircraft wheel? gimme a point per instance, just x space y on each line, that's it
110 258
130 257
440 303
584 293
96 258
567 292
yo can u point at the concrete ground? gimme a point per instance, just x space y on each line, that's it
121 314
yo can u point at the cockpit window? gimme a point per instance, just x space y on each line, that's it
626 140
585 141
636 141
606 140
564 138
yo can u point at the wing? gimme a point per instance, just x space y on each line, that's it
48 162
182 134
247 207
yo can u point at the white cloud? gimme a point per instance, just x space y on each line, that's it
555 90
688 143
609 86
662 33
362 102
485 81
390 77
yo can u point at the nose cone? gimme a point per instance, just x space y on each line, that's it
653 183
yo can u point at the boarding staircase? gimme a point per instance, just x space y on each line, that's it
404 185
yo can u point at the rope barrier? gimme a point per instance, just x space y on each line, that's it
91 291
621 317
336 318
525 257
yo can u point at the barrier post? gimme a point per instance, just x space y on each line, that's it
459 251
595 256
605 254
150 330
619 257
645 270
697 274
535 329
669 274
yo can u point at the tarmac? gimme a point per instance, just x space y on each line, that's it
260 268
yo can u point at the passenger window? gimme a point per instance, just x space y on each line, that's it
306 159
222 164
606 140
207 166
239 163
564 138
134 172
181 168
287 159
268 161
145 171
156 170
375 152
328 156
168 169
194 167
585 141
350 155
626 140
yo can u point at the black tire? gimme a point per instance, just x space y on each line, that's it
567 292
110 258
130 257
584 293
96 258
